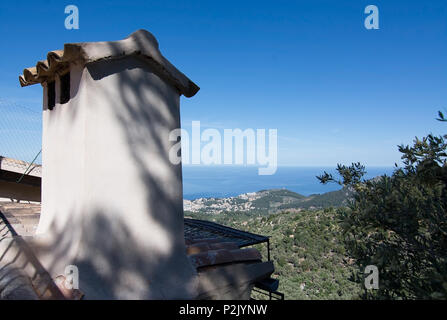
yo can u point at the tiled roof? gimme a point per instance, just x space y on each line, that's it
22 275
20 166
209 244
22 217
206 254
200 229
140 43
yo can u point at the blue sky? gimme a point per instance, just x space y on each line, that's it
335 91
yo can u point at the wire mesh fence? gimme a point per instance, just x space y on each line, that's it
20 132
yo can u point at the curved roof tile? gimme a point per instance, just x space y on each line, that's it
140 43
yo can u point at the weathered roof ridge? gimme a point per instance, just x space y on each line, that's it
19 166
140 43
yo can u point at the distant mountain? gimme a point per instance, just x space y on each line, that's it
267 201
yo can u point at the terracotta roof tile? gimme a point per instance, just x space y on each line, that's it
205 246
224 256
140 43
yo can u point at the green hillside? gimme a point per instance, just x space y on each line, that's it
329 199
271 200
307 248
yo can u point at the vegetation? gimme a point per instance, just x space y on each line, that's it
399 223
337 198
307 249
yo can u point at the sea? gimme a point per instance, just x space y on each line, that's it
230 181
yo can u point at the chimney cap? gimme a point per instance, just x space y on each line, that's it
140 43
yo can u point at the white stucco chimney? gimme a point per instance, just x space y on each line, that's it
111 199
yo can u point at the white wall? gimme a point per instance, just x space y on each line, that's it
111 200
